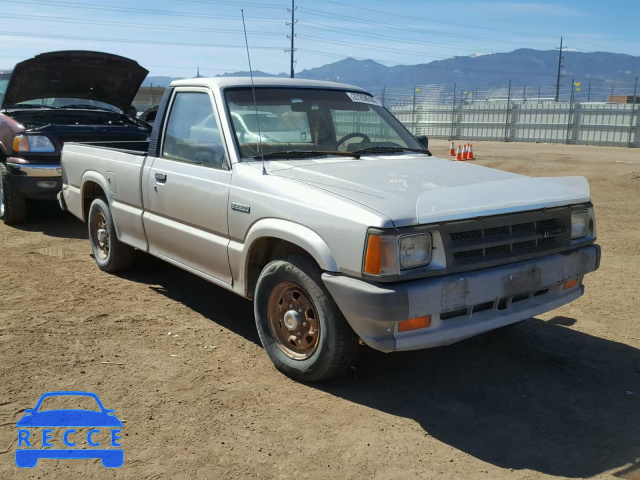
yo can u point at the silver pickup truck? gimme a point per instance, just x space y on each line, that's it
333 219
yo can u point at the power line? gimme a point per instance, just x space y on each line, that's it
131 40
236 4
390 38
404 27
172 13
423 19
82 21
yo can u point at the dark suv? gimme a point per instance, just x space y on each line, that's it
58 97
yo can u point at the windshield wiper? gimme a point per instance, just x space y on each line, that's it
29 105
306 153
88 107
391 149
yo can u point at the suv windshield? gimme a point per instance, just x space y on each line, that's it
312 120
4 81
63 102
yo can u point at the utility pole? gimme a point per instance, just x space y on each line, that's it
293 34
559 70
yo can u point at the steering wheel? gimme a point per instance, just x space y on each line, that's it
364 137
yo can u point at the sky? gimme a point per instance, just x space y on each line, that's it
176 37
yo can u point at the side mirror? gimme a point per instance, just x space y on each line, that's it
424 141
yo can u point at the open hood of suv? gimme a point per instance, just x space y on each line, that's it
76 74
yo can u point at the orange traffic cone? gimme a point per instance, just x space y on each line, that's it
470 154
465 152
452 150
459 153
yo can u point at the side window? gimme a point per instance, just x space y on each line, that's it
193 134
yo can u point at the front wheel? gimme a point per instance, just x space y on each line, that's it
300 326
110 254
13 207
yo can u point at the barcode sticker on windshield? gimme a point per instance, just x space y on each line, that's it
363 98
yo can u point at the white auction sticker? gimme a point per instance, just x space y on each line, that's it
363 98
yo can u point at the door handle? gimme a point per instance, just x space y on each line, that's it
161 177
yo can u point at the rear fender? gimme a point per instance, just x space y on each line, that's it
92 176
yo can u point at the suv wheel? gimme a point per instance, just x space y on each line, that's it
13 207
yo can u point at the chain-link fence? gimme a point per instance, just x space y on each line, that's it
148 97
580 113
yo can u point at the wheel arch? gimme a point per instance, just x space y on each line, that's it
271 239
93 186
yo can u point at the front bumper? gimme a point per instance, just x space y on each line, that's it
35 181
475 302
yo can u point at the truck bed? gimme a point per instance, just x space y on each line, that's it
86 166
132 147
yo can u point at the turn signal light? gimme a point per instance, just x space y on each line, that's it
374 254
414 323
570 284
20 144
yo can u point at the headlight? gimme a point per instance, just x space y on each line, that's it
579 224
32 143
387 254
415 250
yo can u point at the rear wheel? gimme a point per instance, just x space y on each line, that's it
110 254
13 207
300 326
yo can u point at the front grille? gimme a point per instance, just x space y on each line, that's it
499 304
506 238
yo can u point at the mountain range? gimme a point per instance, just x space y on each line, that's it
522 67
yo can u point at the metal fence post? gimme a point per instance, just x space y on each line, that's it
413 111
570 115
453 111
633 112
383 93
508 111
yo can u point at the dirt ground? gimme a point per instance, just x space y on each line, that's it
551 397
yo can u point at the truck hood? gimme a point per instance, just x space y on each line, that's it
89 75
412 189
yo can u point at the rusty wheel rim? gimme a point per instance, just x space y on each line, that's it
101 236
293 321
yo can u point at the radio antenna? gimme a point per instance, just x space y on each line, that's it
253 90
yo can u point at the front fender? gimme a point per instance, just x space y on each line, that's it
295 233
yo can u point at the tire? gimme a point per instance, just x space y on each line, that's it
110 254
302 353
13 207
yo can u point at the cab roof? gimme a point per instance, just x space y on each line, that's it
220 83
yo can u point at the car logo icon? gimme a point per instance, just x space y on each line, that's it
69 419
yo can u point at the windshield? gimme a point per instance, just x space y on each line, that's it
68 402
4 81
63 102
303 119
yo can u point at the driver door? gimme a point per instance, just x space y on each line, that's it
188 189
